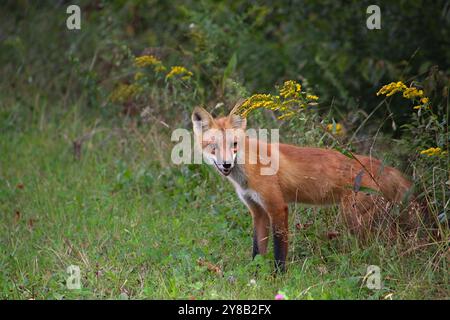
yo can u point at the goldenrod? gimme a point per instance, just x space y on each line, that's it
312 97
290 89
179 71
289 100
392 88
424 100
339 128
147 60
411 93
124 92
433 152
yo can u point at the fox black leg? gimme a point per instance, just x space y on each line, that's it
280 250
255 244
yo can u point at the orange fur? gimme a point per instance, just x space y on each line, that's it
313 176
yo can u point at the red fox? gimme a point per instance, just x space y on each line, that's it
312 176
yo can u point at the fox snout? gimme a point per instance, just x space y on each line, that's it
224 167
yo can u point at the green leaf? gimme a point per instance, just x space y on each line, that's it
365 190
370 191
344 152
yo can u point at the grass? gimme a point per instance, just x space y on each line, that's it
137 225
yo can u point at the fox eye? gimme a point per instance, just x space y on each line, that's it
213 148
235 147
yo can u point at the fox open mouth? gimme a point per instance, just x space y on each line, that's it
225 172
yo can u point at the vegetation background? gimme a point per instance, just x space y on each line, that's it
85 171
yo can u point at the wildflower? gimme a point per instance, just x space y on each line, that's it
266 101
179 71
337 128
392 88
124 92
433 152
147 60
411 93
279 296
290 89
424 105
312 97
252 282
288 102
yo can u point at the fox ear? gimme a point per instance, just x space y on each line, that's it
237 121
237 106
201 119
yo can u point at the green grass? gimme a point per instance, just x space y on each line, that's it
137 225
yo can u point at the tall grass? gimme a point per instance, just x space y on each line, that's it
138 227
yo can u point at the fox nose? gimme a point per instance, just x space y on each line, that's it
226 165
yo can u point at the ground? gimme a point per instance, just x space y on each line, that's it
141 228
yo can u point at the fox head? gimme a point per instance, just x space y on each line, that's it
220 139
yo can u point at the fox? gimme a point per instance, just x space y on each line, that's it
310 176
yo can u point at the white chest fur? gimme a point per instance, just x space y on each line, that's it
248 194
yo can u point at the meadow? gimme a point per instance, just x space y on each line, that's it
86 177
139 228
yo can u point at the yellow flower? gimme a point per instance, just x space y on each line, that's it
179 71
424 104
147 60
312 97
392 88
433 152
339 128
290 89
411 93
256 101
288 102
124 92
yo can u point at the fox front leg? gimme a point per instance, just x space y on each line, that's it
279 217
261 227
276 211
